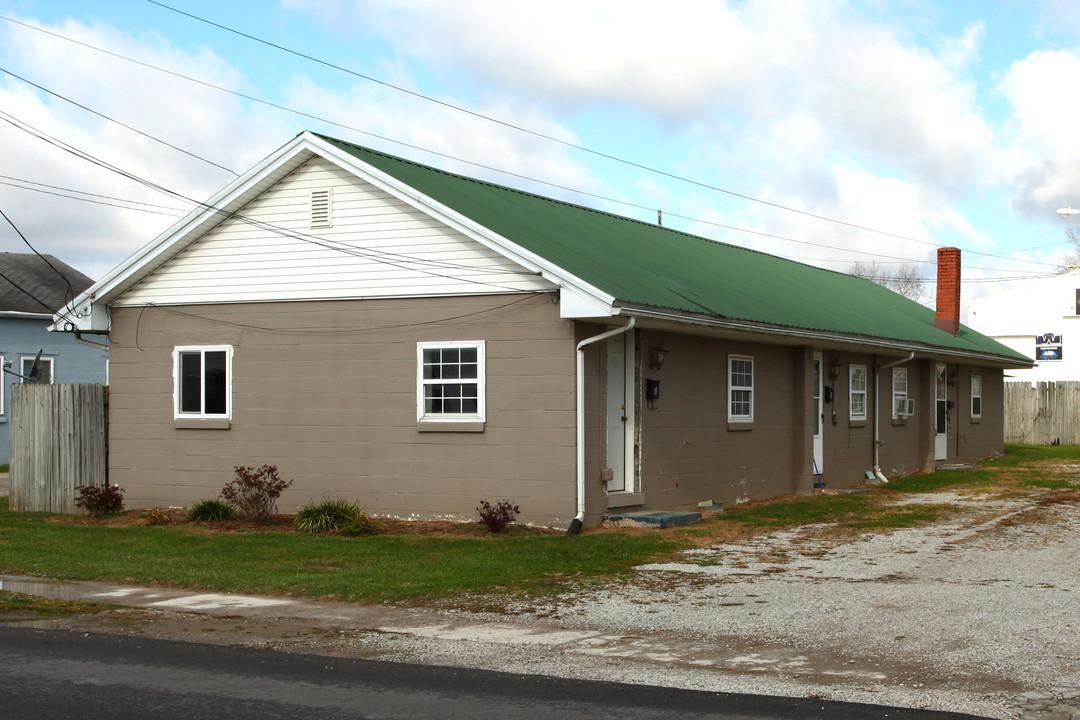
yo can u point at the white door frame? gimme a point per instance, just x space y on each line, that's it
940 412
817 399
620 420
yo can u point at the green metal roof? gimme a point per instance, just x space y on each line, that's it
644 264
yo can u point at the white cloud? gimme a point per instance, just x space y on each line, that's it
1045 160
95 237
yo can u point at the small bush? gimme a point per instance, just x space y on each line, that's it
212 510
332 514
256 491
155 516
362 525
100 501
497 517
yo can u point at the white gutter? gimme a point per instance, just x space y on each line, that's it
575 526
877 415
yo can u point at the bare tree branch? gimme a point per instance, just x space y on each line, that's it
905 280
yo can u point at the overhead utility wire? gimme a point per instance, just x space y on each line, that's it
117 122
404 263
519 128
69 294
470 162
83 192
177 213
104 117
565 143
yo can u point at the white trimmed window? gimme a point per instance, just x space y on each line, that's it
3 385
976 396
203 377
857 392
450 381
44 369
740 388
900 392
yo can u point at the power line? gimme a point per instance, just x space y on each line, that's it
117 122
494 169
69 295
178 213
403 262
534 133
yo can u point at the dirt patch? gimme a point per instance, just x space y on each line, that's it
177 517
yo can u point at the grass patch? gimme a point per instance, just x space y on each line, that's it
1027 455
17 606
442 569
381 569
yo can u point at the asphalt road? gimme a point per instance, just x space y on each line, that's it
59 674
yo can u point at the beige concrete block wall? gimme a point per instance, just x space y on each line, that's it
983 437
688 452
327 392
848 443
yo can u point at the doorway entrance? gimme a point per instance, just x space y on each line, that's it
941 414
620 413
819 415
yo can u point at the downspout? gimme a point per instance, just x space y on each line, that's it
877 415
575 526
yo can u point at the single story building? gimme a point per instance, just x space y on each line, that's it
421 341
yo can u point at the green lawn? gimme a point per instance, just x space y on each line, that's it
386 568
442 570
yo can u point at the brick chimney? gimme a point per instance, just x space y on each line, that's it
948 290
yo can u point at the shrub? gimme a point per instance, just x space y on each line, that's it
497 517
100 500
331 514
155 516
256 491
362 525
212 510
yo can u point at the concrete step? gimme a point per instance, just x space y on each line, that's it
654 519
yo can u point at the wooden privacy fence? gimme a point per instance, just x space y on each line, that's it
58 443
1042 413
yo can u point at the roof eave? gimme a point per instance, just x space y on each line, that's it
823 336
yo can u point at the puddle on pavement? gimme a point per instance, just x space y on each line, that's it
54 589
35 623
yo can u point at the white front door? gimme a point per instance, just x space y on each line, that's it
620 412
819 416
941 414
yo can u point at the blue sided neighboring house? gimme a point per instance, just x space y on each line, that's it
32 288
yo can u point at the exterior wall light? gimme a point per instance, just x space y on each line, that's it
659 355
834 367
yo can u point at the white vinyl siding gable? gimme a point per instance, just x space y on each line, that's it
377 246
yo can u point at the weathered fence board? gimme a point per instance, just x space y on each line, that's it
1042 413
58 443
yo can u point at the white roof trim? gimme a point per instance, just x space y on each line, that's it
90 308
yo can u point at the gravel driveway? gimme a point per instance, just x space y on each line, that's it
978 615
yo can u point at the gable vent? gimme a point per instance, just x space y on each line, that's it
321 215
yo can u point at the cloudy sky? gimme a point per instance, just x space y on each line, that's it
828 132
